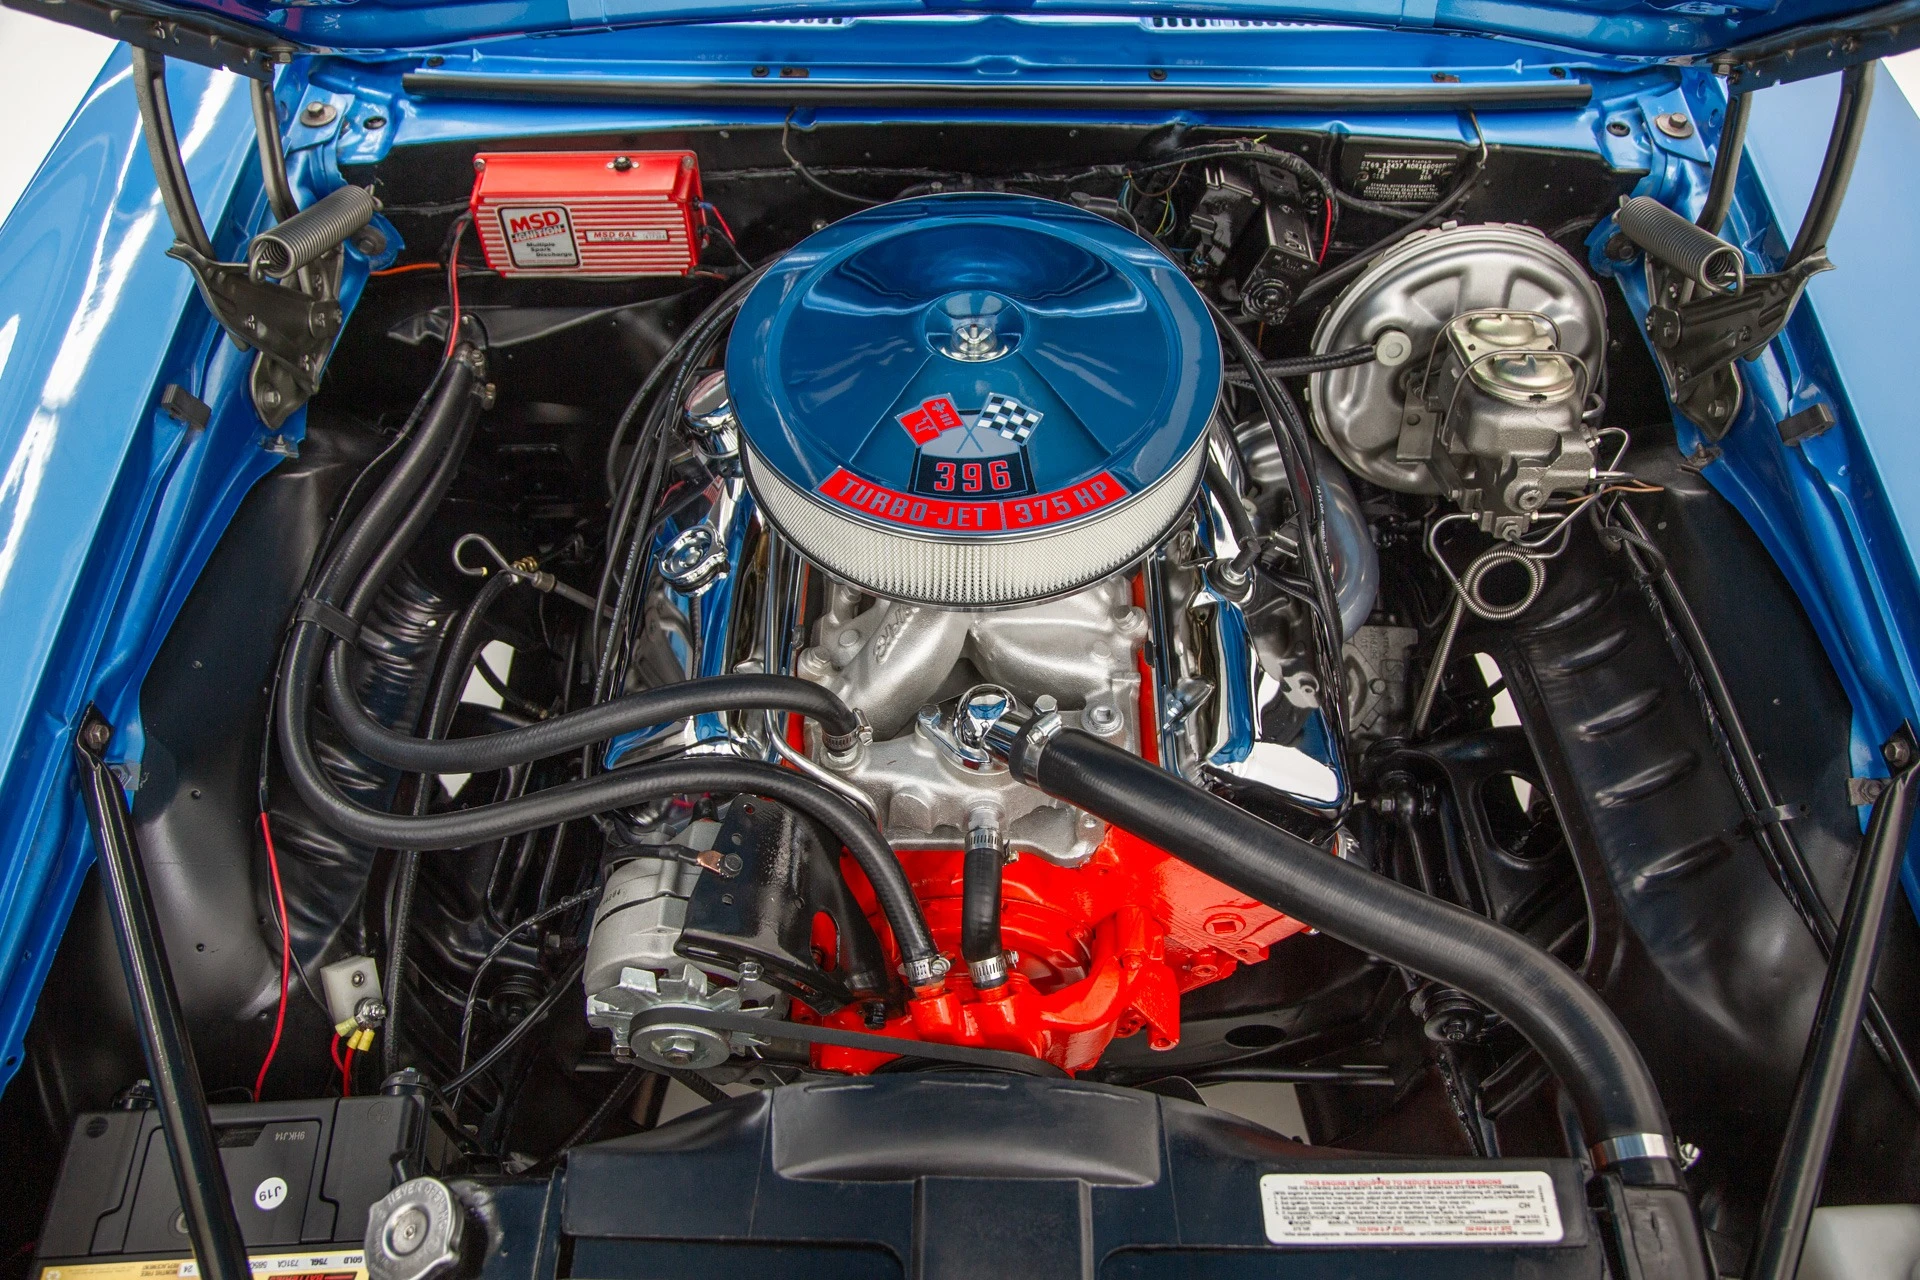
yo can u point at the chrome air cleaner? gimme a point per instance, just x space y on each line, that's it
973 400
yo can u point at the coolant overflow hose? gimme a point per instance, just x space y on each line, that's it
1559 1014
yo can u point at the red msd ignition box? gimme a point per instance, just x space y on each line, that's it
587 213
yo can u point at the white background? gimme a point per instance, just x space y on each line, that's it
45 70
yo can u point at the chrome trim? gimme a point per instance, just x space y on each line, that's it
1632 1146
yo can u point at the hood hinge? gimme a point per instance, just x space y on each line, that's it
283 301
1699 324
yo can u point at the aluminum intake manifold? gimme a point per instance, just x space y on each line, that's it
903 663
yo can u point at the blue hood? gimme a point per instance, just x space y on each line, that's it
1813 35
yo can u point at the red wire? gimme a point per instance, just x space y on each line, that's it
333 1050
286 958
1326 236
718 216
346 1074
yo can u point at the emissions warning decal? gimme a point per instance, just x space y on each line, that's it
920 511
1411 1208
539 235
351 1265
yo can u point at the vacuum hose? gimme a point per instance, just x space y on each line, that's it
579 728
1562 1017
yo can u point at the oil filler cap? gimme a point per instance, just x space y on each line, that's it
974 399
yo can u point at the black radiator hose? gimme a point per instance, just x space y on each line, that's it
451 410
580 728
980 942
1560 1015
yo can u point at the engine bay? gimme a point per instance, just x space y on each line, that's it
761 619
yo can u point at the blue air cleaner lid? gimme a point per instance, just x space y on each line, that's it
974 399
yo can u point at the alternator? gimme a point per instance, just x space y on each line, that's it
633 966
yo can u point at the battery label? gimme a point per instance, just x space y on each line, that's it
539 235
350 1265
1411 1208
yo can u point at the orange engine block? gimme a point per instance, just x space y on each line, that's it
1103 950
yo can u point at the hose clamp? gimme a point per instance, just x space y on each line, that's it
842 746
1631 1146
1025 762
1020 741
926 971
989 973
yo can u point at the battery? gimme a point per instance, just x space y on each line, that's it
604 214
302 1177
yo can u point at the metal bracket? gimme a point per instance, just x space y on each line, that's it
292 331
1697 342
291 324
763 913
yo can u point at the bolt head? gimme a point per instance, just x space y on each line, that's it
316 114
677 1049
1897 752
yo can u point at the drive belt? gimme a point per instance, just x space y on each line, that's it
836 1037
